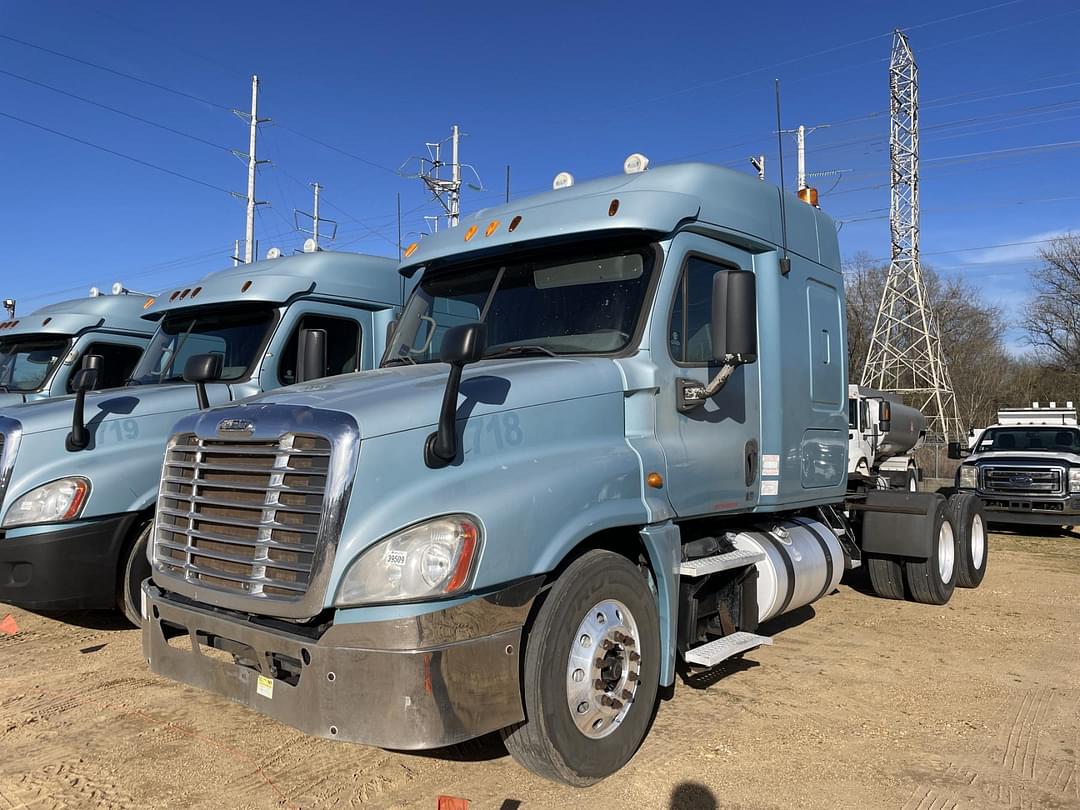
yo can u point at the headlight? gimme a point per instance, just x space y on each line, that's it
49 503
1074 480
434 558
969 477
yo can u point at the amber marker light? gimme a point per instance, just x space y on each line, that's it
196 291
468 548
173 296
469 234
149 302
655 480
492 227
245 286
514 223
46 322
613 209
411 249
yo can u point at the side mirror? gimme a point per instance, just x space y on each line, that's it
734 317
201 369
311 355
83 380
955 451
885 416
461 345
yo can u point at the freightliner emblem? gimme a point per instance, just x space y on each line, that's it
236 425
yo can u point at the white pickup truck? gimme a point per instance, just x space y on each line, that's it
883 435
1026 467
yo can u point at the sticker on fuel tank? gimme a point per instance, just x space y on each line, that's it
265 687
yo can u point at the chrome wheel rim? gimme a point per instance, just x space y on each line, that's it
946 551
603 670
978 542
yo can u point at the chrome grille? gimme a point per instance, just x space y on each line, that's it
1024 480
242 516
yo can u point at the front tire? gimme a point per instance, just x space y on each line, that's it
591 672
966 511
134 568
933 581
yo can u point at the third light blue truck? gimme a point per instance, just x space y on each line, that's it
607 441
41 352
79 473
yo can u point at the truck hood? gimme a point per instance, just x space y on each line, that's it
1024 458
116 403
399 398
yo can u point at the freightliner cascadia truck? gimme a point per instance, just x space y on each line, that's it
79 475
40 353
608 434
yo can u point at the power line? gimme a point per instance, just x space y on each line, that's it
115 110
113 152
96 66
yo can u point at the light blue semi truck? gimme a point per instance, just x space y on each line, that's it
41 352
79 475
608 439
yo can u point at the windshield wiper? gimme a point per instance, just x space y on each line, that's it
511 351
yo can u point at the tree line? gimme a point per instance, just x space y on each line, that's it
986 376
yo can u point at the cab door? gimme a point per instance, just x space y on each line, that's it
713 450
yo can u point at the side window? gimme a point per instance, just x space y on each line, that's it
689 334
118 362
342 347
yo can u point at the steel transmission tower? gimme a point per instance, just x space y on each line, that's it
905 351
447 192
252 163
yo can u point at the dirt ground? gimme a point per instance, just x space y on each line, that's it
861 703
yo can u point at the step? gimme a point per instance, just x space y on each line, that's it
711 654
703 566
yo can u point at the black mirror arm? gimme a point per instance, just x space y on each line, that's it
441 446
200 396
79 437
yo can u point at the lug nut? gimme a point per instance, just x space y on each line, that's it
599 684
632 677
626 694
606 644
606 701
635 657
616 705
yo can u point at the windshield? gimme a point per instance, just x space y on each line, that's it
583 302
236 334
1052 439
27 362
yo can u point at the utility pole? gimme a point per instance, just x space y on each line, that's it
236 253
253 128
800 134
312 245
758 162
447 192
905 350
9 305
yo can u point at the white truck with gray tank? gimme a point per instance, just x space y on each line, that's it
883 434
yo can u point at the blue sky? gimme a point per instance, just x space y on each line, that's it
542 87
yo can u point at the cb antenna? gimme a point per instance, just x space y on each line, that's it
785 260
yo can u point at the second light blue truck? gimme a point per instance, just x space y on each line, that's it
79 474
608 439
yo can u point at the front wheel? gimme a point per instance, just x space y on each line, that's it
591 672
134 568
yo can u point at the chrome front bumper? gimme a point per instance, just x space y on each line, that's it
422 682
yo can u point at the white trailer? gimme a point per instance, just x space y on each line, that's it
883 435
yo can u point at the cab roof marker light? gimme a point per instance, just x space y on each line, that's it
411 249
149 303
613 209
492 227
635 163
173 296
245 286
46 322
562 180
196 291
514 223
469 234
